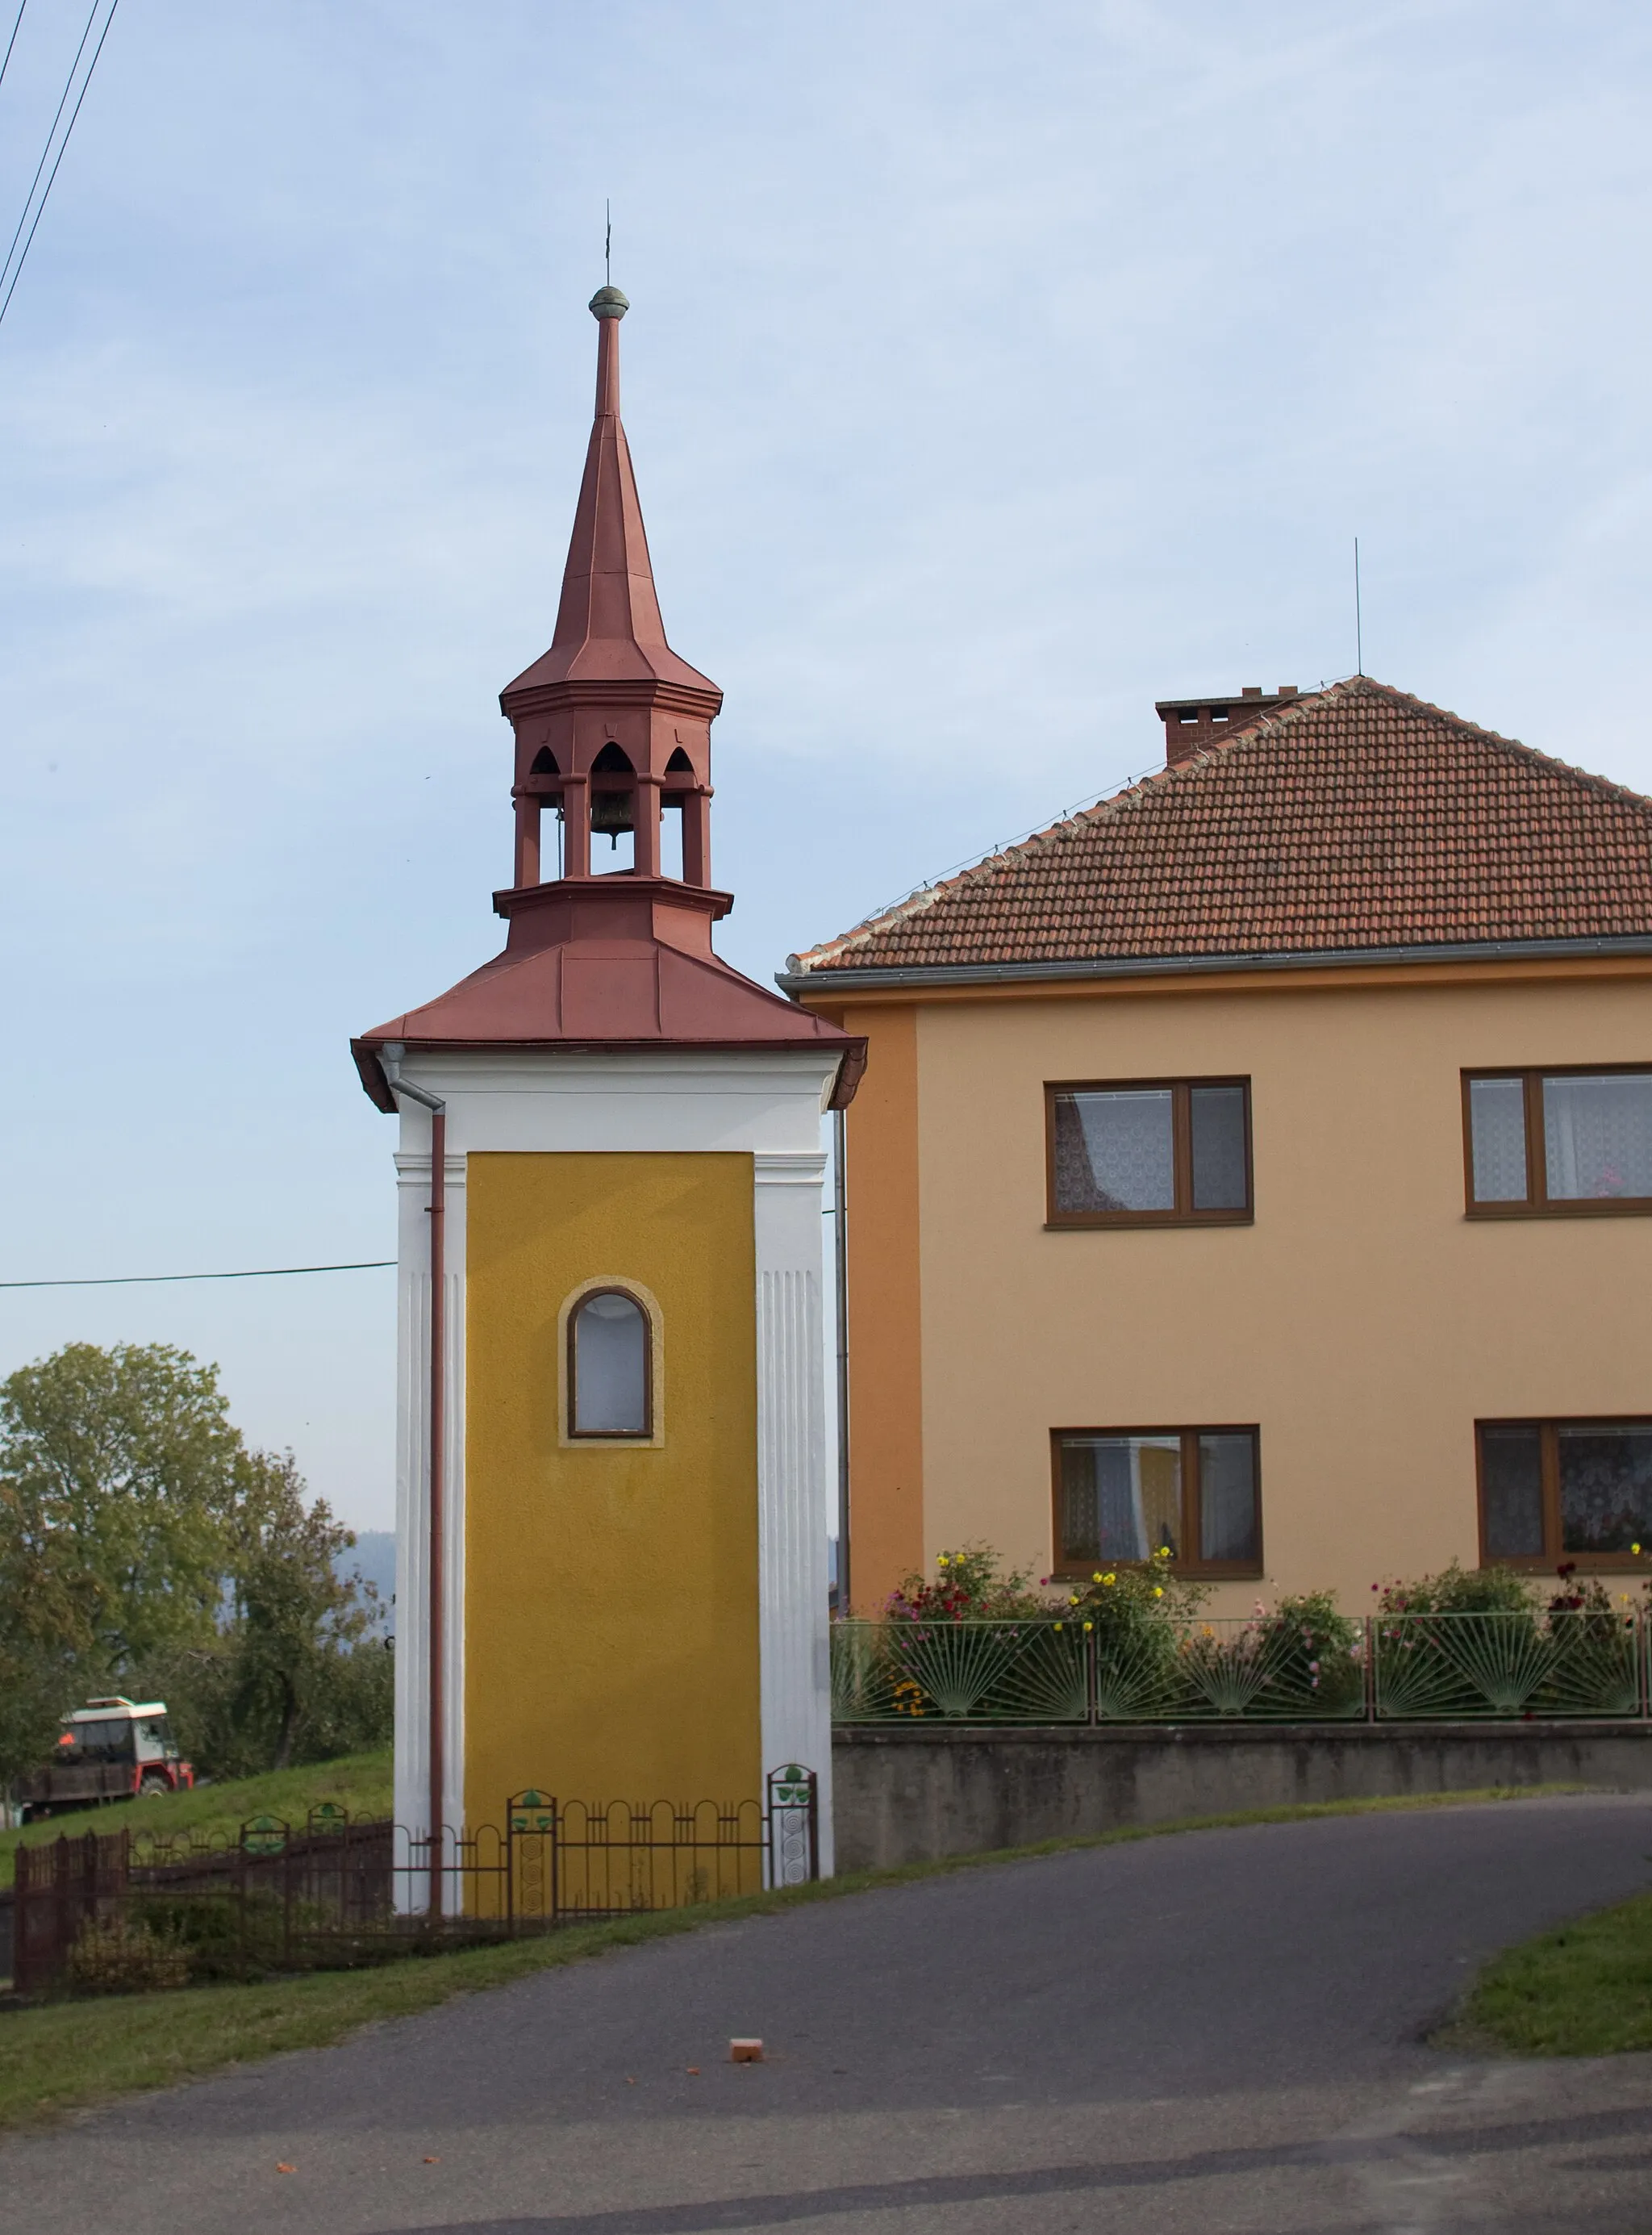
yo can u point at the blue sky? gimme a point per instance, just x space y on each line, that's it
989 373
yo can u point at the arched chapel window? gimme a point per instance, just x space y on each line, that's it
609 1380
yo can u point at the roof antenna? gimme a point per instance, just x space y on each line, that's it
1359 627
608 245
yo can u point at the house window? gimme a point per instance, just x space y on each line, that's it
1553 1489
1558 1142
610 1382
1124 1494
1149 1152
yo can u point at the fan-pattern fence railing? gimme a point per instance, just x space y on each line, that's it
1403 1667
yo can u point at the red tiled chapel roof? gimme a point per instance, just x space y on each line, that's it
1358 818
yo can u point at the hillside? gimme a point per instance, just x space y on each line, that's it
359 1783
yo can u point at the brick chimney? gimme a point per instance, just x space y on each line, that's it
1198 725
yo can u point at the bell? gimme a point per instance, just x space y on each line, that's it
610 813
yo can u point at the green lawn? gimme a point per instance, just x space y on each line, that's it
360 1783
1582 1990
59 2055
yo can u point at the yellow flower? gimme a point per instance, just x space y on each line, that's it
1072 1598
1635 1548
941 1560
1096 1578
1158 1590
1058 1625
1089 1625
1109 1579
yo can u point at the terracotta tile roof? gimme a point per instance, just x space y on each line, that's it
1359 818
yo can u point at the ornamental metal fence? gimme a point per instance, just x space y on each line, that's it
106 1909
1513 1666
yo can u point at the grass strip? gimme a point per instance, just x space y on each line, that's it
1583 1989
62 2056
360 1783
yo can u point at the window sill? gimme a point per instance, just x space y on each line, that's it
1585 1563
1086 1221
1591 1207
1183 1572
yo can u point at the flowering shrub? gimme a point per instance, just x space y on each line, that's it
1457 1589
1122 1600
968 1586
973 1640
1588 1596
1316 1650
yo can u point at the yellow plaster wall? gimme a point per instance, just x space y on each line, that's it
1362 1320
611 1642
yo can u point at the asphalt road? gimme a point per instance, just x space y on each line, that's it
1222 2030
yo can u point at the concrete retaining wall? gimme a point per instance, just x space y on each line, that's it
909 1795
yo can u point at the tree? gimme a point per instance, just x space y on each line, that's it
296 1615
44 1624
120 1470
143 1544
37 1679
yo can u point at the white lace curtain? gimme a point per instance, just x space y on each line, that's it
1598 1137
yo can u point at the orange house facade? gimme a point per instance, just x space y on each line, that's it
1257 1167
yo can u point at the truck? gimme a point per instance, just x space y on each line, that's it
109 1750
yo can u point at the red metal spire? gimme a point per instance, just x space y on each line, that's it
608 628
610 726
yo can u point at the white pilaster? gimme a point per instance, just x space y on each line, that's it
413 1484
791 1472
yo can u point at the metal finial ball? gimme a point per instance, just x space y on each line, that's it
608 303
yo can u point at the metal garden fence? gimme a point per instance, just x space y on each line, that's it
332 1893
1514 1666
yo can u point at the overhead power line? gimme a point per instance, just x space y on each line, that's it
12 41
16 268
69 87
256 1272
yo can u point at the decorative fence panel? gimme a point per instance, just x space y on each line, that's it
578 1863
1379 1669
1506 1666
60 1890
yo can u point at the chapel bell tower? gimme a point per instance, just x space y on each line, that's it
612 1502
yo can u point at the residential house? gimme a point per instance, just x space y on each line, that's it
1257 1165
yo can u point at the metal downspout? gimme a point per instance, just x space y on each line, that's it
840 1243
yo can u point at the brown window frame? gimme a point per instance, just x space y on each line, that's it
1208 1571
576 1434
1549 1427
1536 1202
1181 1091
